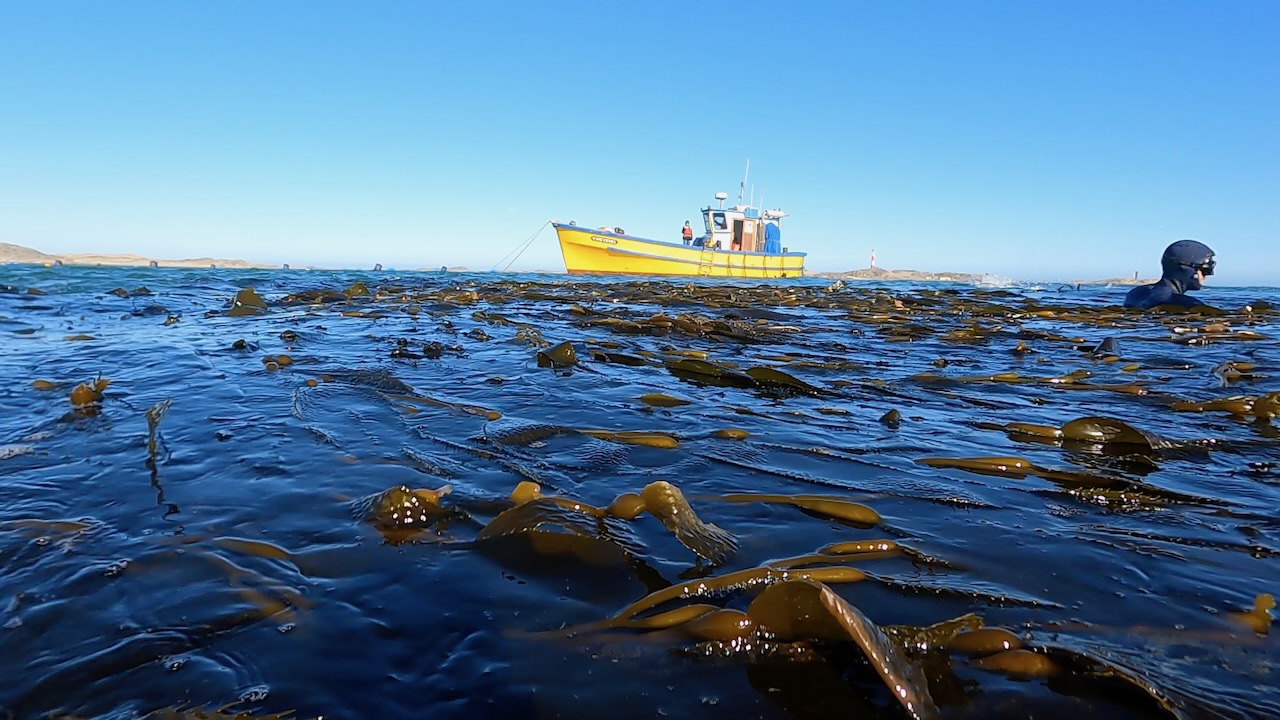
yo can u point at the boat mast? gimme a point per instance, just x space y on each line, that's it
743 187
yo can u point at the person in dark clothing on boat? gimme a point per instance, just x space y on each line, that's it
687 233
1184 265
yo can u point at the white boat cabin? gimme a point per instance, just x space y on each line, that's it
741 228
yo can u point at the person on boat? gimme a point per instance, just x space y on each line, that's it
1184 266
772 238
687 233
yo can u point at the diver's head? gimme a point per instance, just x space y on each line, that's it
1187 262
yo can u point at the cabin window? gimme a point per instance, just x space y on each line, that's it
718 221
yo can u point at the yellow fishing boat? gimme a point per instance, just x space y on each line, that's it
740 241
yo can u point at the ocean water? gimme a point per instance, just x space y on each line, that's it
212 531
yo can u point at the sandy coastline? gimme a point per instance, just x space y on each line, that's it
10 253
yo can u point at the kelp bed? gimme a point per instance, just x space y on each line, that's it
289 495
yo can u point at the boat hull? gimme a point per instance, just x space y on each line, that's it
588 251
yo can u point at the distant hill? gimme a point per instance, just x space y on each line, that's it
10 253
876 273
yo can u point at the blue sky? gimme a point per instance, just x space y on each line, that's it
1033 140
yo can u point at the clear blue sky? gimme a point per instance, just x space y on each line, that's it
1034 140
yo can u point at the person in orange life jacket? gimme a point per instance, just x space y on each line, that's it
687 233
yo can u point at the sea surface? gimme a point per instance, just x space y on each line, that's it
228 527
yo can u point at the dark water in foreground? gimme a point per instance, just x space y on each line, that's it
242 562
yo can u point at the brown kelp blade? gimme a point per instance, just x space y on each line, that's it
535 513
665 502
740 580
905 681
772 377
831 507
154 413
709 373
635 437
559 357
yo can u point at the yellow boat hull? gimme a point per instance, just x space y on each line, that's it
588 251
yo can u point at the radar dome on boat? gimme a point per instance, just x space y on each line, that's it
722 196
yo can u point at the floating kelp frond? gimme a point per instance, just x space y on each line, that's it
905 680
535 512
528 491
831 507
401 508
1234 370
665 502
1239 405
379 379
627 506
740 580
661 400
1011 467
510 431
984 641
154 414
635 437
1107 677
1019 663
88 395
670 618
1124 491
247 302
1109 431
792 610
721 624
561 356
938 635
456 407
257 548
1267 406
619 359
37 527
708 373
1257 619
1036 431
772 377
